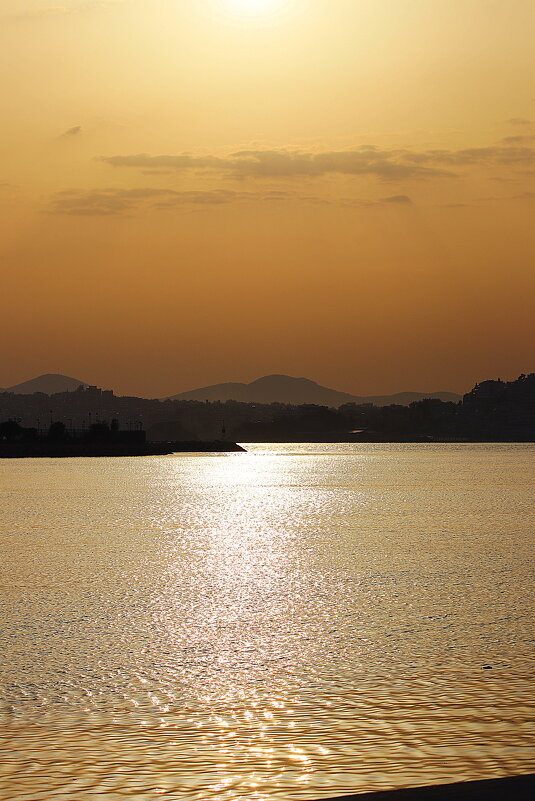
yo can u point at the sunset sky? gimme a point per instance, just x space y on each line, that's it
196 191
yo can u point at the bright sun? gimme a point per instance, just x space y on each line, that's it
253 6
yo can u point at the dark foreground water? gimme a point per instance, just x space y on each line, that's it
297 622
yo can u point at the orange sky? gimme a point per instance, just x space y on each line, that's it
195 191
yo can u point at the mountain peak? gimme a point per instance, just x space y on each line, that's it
280 388
279 379
274 388
48 383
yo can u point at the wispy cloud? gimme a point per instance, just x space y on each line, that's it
385 164
390 200
520 121
112 201
509 151
522 196
403 199
74 131
116 202
519 139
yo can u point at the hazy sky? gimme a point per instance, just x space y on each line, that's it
195 191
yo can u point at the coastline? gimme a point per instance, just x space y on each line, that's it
518 788
71 449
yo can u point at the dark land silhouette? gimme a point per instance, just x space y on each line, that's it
493 410
49 383
517 788
99 439
268 389
298 391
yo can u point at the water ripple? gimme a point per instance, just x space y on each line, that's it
297 622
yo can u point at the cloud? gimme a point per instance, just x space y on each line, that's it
116 202
518 140
403 199
526 196
366 161
519 121
390 200
156 163
109 202
74 131
508 152
504 180
385 164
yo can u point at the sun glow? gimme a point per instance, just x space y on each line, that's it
253 6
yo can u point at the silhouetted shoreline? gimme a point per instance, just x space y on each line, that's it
150 449
10 450
99 439
493 411
517 788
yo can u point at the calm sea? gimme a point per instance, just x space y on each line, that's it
292 623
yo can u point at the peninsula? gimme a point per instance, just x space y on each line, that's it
100 439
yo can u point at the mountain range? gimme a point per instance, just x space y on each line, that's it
268 389
285 389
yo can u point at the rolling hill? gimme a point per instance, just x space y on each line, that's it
285 389
268 389
49 383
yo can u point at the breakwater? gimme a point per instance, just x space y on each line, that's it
76 448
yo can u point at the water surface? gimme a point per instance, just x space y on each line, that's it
292 623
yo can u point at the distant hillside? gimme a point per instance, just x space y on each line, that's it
285 389
270 389
50 383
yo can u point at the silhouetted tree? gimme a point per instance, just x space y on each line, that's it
10 430
57 431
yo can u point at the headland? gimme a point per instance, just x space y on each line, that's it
100 439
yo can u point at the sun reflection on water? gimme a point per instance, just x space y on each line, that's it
266 625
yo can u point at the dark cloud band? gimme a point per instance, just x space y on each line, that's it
385 164
388 165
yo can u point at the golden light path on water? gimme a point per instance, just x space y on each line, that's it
297 622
